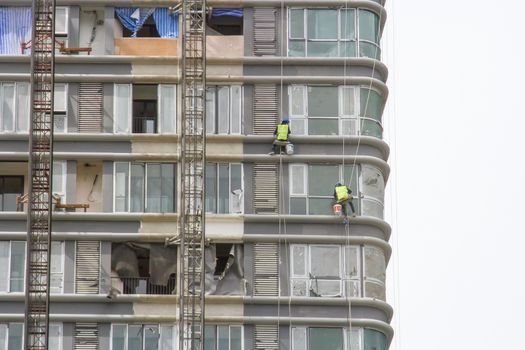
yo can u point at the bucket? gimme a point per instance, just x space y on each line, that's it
338 209
289 149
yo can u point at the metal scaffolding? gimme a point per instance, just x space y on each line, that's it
193 152
40 176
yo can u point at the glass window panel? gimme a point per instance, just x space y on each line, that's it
351 262
297 23
8 107
224 189
210 109
122 108
168 108
297 205
134 337
299 260
355 339
297 126
166 337
371 207
209 338
61 20
55 335
235 337
368 26
352 288
211 188
22 109
121 186
298 338
167 203
137 188
298 175
375 290
348 126
223 338
296 48
323 126
369 50
322 49
297 100
320 206
348 49
322 179
236 195
118 338
325 338
151 337
375 264
348 107
322 24
351 177
59 123
236 176
59 98
323 101
153 188
374 340
15 340
371 104
348 24
57 267
18 254
299 287
371 128
3 336
236 98
373 184
59 178
325 261
224 109
4 265
328 288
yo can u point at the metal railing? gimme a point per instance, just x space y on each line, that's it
143 285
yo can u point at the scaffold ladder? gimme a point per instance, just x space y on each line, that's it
40 174
193 152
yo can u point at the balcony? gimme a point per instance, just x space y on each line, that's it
143 285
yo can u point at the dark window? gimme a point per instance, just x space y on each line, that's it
145 109
225 25
148 30
222 255
10 188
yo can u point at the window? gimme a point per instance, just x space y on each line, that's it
223 337
224 188
223 109
60 108
147 109
337 270
57 267
139 337
336 338
12 266
10 188
312 186
62 25
14 107
11 336
325 270
59 179
332 110
323 32
144 187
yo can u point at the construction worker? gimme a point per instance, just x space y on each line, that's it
342 195
281 136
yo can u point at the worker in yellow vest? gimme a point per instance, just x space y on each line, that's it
281 136
342 195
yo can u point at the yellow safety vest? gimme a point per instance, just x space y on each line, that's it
282 132
341 192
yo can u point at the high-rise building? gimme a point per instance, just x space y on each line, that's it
282 270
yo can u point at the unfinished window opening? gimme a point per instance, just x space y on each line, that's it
222 256
11 187
226 24
89 184
148 30
145 109
143 268
224 269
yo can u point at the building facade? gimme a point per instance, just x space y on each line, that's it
282 271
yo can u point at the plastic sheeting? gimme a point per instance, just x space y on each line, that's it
231 282
15 29
133 18
232 12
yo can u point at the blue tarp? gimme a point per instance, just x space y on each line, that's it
133 18
15 29
233 12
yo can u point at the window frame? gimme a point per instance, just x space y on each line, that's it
61 111
306 331
230 189
214 91
145 186
160 118
62 267
143 338
129 117
16 121
63 191
339 40
216 340
9 265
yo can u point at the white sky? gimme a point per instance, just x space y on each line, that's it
457 70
